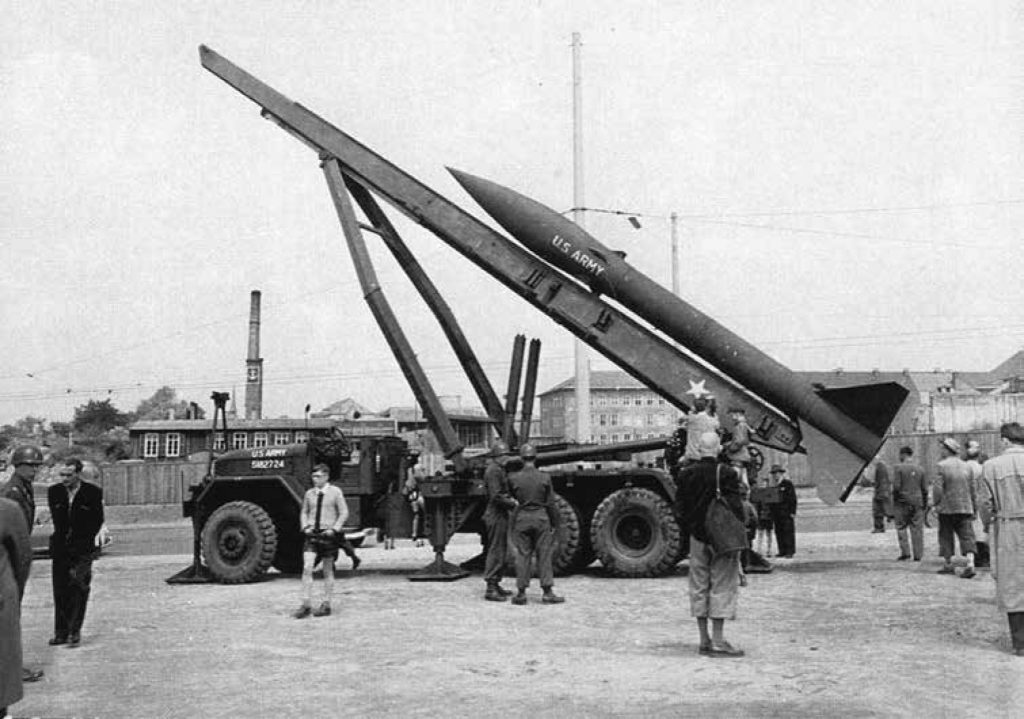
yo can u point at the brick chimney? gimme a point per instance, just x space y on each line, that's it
254 363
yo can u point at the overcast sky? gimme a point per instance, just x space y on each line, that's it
849 175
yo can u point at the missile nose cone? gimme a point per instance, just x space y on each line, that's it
489 195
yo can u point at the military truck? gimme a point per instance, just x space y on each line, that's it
246 511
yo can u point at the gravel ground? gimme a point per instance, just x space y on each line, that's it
841 630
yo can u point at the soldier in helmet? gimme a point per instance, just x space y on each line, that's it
534 524
26 460
499 504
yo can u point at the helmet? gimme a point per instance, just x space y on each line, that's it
528 451
499 448
26 454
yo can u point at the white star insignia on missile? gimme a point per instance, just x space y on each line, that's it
697 389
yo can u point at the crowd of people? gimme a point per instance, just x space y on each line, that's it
522 520
966 489
76 509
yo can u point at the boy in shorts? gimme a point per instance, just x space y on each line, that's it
323 514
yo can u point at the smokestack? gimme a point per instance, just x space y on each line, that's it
254 363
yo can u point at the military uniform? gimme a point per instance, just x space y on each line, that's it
19 490
15 558
533 525
499 504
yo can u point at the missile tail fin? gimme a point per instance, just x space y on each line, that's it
872 405
834 469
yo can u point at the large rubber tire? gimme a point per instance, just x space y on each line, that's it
568 546
635 534
239 541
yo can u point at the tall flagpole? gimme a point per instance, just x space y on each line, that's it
582 353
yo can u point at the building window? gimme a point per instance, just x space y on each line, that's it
218 442
172 444
638 401
238 440
301 437
259 439
615 438
151 445
602 419
613 419
650 400
282 438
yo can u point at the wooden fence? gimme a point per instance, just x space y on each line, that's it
149 482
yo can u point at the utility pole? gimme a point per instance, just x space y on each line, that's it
582 353
674 219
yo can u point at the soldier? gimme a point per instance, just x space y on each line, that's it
77 511
499 504
15 559
534 523
26 461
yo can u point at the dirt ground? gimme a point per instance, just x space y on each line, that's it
841 630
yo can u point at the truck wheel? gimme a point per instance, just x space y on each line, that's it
567 546
239 541
634 534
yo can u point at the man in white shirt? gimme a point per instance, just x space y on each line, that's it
323 515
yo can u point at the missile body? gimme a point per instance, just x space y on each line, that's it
563 243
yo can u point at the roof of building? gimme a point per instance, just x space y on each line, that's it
203 425
600 379
1010 369
342 408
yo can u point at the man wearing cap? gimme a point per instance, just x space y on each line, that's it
1001 503
26 461
909 497
974 458
784 512
499 504
738 449
534 524
713 578
954 499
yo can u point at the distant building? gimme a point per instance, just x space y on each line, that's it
178 439
621 410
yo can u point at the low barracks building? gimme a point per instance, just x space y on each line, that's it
179 439
175 439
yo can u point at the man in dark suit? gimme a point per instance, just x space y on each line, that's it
77 510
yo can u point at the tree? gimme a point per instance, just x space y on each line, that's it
95 417
26 429
162 402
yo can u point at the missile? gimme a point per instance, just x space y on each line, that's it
841 429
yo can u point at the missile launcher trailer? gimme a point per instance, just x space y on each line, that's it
622 517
